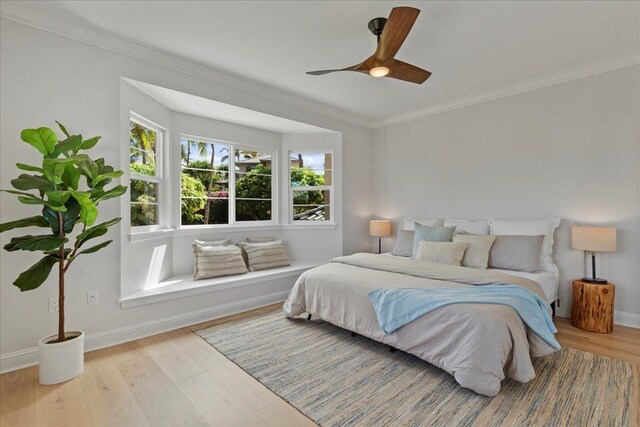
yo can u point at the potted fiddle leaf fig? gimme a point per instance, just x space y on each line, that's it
68 187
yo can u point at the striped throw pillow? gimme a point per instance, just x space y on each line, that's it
224 242
266 255
216 261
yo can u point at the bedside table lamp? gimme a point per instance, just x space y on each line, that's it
592 240
379 228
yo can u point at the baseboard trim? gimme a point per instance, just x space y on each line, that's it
626 319
29 357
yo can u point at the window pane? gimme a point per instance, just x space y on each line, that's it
253 210
204 155
142 148
310 169
317 161
204 182
311 205
253 161
143 191
253 186
144 214
203 211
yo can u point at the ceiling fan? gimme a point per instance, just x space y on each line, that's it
391 34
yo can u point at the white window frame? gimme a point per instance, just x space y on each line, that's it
330 188
160 137
232 185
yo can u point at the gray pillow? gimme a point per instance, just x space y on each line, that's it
430 234
404 243
519 253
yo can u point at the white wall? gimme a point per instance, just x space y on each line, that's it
570 150
46 77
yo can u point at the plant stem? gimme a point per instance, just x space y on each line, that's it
61 271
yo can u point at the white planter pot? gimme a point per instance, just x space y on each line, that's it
60 362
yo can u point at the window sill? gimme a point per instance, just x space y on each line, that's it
222 229
184 286
309 226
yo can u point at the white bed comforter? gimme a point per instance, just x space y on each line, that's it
479 344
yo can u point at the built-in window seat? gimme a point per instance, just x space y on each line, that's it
183 286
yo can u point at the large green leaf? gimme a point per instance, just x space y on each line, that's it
30 168
55 253
43 139
71 177
57 166
32 221
36 275
63 129
90 143
101 195
88 209
95 231
32 182
35 243
95 248
72 143
58 197
69 217
107 176
32 200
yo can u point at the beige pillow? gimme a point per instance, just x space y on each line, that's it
441 252
266 255
260 239
216 261
477 253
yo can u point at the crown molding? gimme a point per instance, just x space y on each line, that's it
101 39
576 73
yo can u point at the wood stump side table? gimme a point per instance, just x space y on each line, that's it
592 307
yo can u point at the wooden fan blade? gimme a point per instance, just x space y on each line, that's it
321 72
396 30
407 72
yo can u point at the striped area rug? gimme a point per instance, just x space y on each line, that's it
337 380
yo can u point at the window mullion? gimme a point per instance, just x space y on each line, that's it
232 184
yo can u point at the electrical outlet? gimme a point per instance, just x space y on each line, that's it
92 298
53 305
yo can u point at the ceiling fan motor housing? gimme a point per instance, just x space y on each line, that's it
376 25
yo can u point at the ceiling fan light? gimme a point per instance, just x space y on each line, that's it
378 71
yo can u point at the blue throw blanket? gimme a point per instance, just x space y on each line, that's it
397 307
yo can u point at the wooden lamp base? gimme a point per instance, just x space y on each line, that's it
592 307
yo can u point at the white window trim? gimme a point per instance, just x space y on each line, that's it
306 223
233 224
161 134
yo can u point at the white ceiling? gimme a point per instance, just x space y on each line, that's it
470 47
195 105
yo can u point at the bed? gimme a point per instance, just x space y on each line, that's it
479 344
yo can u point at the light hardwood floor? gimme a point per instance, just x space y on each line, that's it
176 378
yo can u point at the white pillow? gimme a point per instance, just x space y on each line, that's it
480 226
534 227
407 222
441 252
477 254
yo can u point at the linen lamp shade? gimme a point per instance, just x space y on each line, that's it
379 228
592 240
